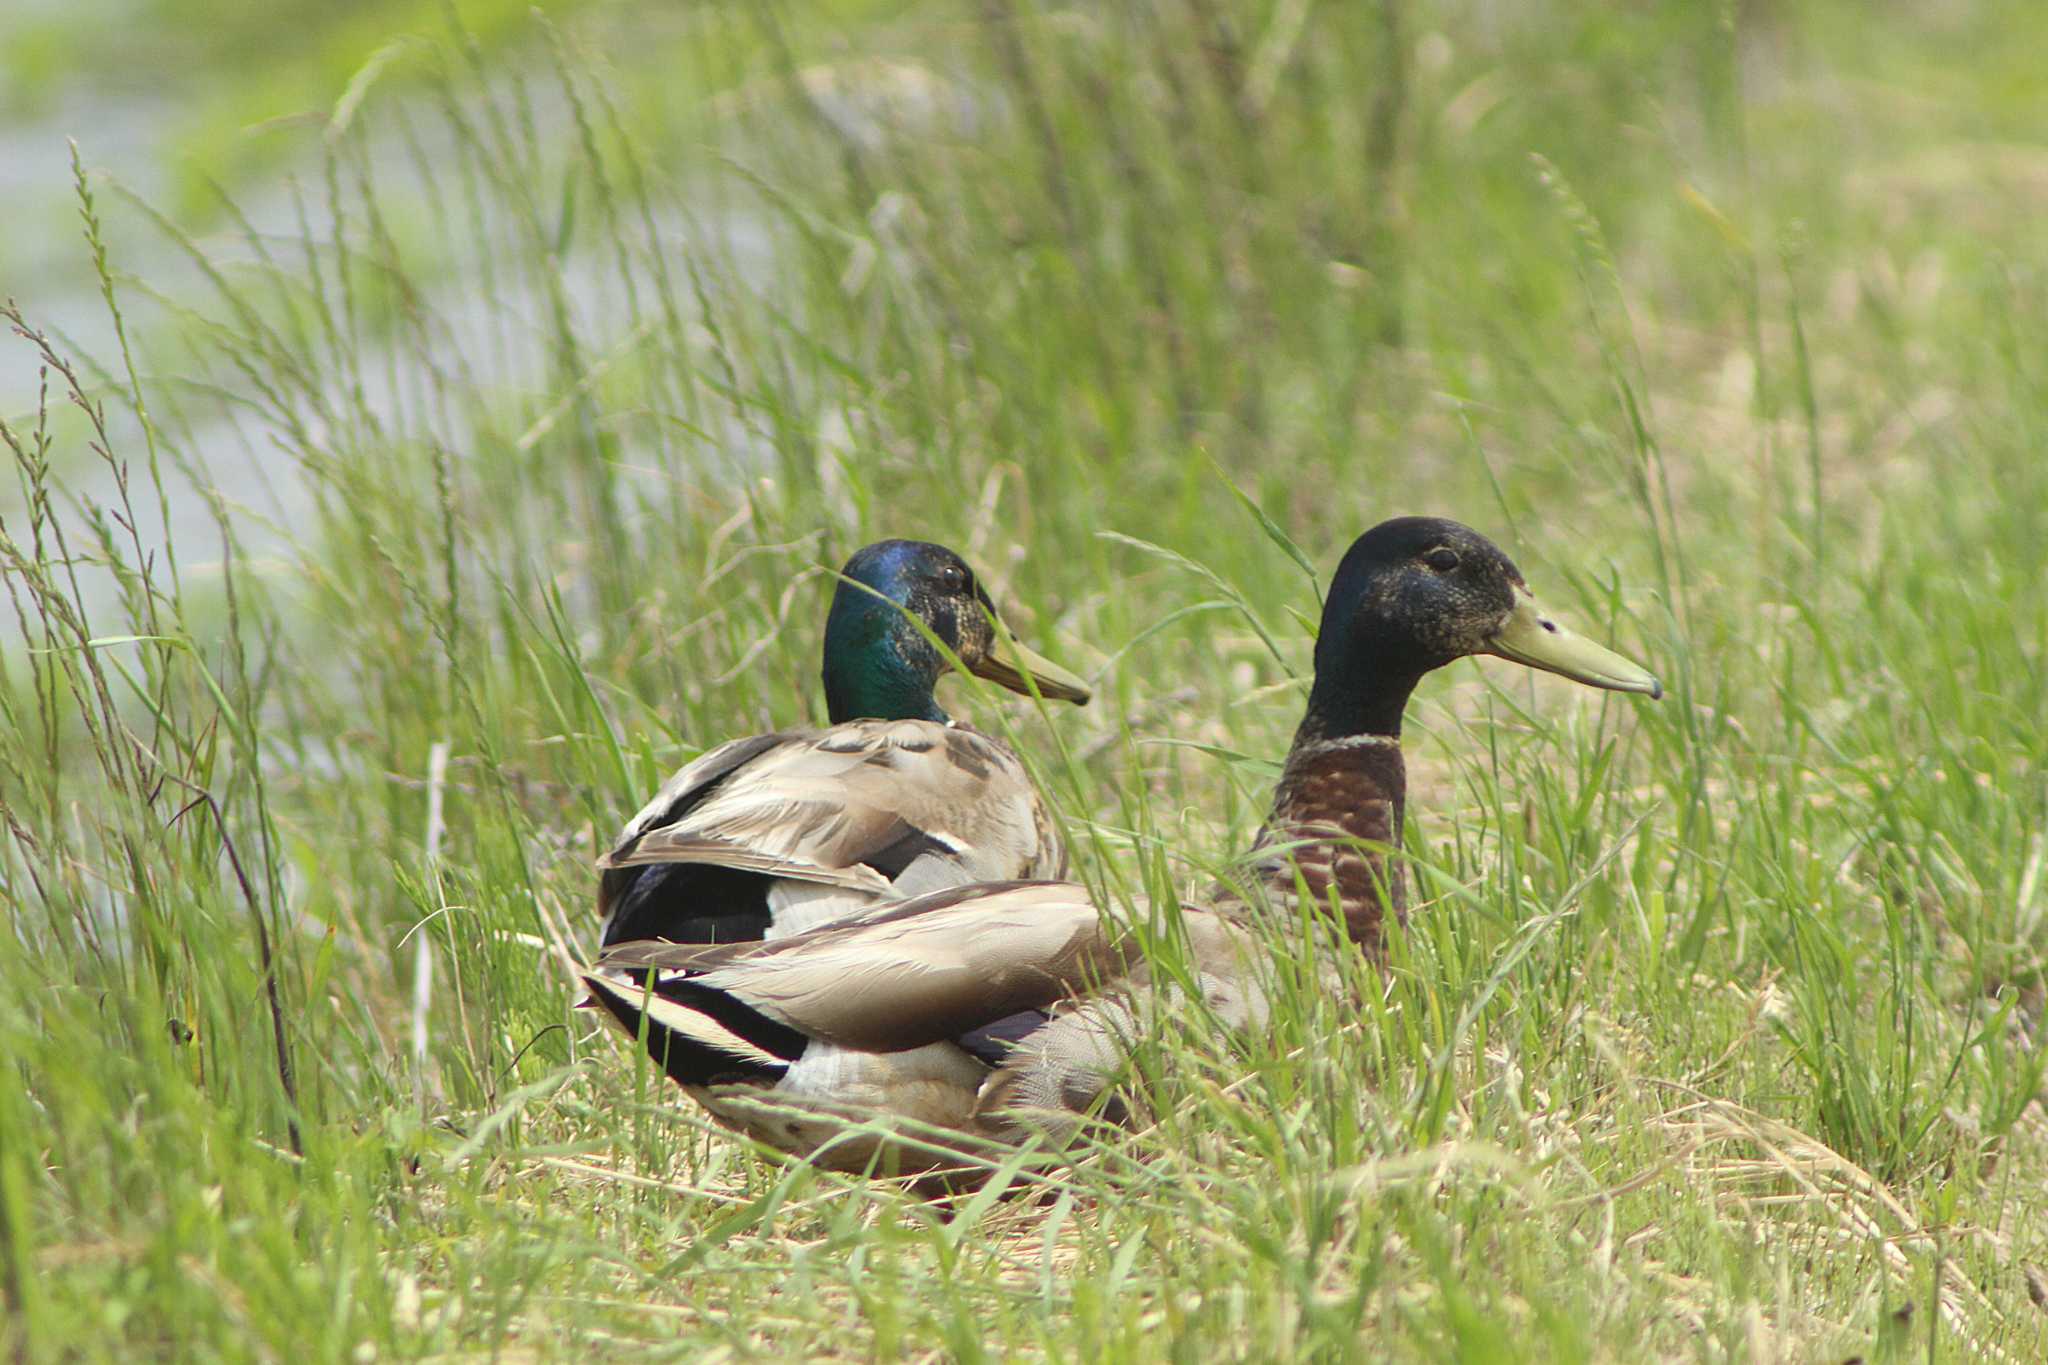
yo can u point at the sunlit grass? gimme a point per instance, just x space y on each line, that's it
1716 1031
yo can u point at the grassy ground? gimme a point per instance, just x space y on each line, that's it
546 392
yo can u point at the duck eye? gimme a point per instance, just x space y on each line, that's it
1442 559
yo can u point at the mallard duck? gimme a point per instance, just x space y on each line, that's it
998 1009
774 834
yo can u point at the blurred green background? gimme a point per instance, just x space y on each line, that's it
508 379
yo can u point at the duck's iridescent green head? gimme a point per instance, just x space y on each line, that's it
879 666
1416 593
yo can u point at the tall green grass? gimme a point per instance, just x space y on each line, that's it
536 403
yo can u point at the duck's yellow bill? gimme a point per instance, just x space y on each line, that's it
1530 637
1010 663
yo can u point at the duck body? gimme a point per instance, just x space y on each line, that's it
779 833
781 1041
1019 1000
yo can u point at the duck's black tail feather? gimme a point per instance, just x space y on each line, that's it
684 903
697 1034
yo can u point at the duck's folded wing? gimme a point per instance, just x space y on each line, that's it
928 970
1062 1069
867 805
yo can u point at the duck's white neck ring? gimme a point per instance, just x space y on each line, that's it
1323 746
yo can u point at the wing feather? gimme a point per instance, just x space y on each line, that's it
924 971
871 806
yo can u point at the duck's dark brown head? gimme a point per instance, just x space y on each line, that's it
1413 594
1416 593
